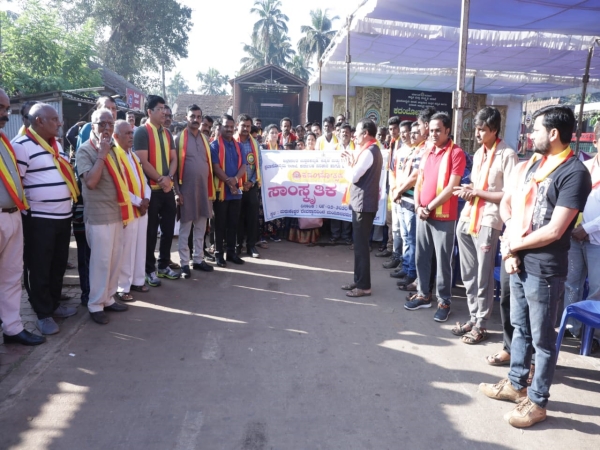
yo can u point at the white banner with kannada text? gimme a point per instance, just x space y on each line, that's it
303 183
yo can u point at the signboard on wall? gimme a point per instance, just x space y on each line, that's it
407 104
134 99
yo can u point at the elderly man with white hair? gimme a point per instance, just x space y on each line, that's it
50 187
132 275
107 211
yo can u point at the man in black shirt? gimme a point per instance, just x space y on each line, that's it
547 194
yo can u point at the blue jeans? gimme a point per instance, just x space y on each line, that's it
396 231
533 309
408 231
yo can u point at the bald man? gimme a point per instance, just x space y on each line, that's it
12 199
50 188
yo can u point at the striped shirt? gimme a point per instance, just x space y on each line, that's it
45 188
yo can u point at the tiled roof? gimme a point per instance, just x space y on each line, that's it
113 81
212 105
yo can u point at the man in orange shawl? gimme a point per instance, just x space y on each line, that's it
480 224
440 172
539 209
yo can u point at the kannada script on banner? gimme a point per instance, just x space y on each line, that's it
303 183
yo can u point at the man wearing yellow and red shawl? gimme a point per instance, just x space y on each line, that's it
12 200
107 211
440 171
50 188
195 191
539 208
248 225
229 169
480 224
154 145
132 274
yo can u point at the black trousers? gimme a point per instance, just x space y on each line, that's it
162 211
361 226
83 266
45 257
248 223
227 216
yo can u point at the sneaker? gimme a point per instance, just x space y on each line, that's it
253 252
406 280
186 272
65 311
503 390
275 239
383 253
525 414
333 240
442 313
418 302
152 280
391 264
47 326
398 273
169 273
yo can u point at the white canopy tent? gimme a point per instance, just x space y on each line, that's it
514 47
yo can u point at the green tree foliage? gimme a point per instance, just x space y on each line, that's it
39 56
298 67
318 34
141 35
212 82
177 86
271 26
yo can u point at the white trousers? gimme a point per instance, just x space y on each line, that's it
184 233
106 243
133 262
11 269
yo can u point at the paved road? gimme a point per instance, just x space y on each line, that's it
272 355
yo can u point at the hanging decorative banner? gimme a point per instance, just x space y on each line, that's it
310 184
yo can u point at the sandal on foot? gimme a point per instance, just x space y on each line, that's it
349 287
475 336
461 330
142 288
502 358
357 293
125 296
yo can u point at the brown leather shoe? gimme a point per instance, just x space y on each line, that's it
525 414
503 390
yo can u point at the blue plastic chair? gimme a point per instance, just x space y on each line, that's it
588 313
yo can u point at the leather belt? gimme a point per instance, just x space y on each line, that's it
10 210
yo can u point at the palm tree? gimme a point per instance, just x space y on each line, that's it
272 23
178 85
318 36
299 67
280 54
212 82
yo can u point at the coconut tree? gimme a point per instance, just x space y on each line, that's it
212 82
298 67
271 25
318 34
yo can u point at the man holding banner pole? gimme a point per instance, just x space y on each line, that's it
364 174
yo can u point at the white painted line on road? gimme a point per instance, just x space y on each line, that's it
295 331
190 429
181 311
282 264
348 301
274 292
212 349
254 274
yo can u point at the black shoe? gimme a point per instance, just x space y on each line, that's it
209 257
185 272
220 261
203 266
238 250
406 280
252 252
383 253
116 307
235 259
400 273
174 265
391 264
99 317
24 338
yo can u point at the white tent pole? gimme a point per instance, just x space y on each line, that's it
348 61
458 101
586 79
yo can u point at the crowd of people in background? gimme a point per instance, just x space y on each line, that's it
123 183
